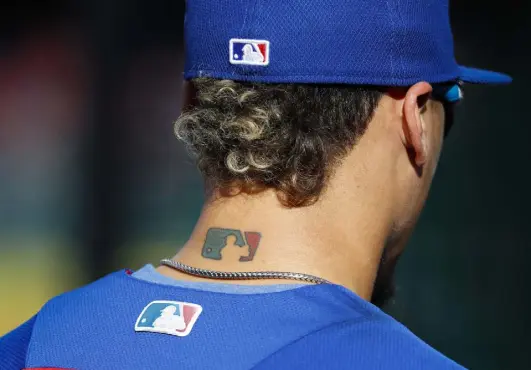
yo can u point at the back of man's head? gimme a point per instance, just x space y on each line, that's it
339 109
286 137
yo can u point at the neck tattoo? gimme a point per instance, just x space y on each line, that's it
217 239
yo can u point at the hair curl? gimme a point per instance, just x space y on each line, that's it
288 137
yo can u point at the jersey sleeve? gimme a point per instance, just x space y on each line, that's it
14 346
369 345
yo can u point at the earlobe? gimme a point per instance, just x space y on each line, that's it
415 136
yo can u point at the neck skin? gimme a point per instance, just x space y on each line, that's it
339 238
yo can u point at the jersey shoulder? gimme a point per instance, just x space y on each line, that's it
379 343
14 346
72 317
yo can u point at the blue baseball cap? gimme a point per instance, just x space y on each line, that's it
362 42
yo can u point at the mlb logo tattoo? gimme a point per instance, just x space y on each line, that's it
168 317
249 52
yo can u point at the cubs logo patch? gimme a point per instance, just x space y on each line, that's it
249 52
168 317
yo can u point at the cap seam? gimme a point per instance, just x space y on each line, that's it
397 46
253 15
244 24
391 59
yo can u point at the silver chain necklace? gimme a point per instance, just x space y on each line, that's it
212 274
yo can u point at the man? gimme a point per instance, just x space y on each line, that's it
317 160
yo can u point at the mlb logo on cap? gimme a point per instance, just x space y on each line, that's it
249 52
168 317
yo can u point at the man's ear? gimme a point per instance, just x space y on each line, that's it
415 139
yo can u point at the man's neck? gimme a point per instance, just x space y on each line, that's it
256 233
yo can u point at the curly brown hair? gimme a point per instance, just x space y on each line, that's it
288 137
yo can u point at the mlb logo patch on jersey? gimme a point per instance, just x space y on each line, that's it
249 52
168 317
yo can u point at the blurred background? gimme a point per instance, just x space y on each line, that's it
92 179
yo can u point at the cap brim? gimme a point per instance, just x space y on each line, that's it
481 76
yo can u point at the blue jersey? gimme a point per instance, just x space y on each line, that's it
123 322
